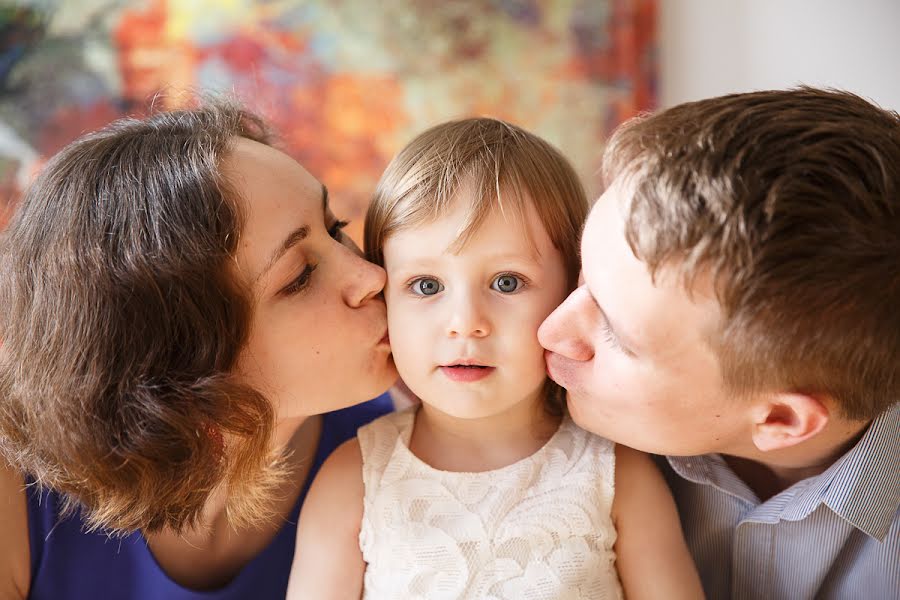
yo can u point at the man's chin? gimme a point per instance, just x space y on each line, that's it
556 369
586 420
572 404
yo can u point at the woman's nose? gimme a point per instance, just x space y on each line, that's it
364 281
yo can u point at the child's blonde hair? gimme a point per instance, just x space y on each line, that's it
502 166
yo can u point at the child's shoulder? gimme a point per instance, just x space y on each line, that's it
346 458
623 458
376 441
590 443
372 438
394 423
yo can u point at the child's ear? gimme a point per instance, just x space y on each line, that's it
787 419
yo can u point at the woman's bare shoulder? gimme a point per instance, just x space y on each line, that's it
14 548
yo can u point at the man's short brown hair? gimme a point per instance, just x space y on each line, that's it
121 323
791 201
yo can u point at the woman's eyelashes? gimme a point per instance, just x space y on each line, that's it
301 282
505 283
335 230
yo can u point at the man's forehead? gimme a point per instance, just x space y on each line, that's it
649 305
605 227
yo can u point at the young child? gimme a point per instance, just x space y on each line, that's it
488 489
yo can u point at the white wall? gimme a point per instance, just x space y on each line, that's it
712 47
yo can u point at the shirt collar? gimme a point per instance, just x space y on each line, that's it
862 487
711 469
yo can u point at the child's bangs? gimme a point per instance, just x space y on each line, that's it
484 189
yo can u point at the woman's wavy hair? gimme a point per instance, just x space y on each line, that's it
121 324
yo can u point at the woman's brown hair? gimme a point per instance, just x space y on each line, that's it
790 200
121 324
504 167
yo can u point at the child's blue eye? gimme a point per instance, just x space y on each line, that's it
426 286
506 283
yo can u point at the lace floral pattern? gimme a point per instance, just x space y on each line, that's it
537 529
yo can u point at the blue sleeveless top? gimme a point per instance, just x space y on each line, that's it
69 564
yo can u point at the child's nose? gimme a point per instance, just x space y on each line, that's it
468 319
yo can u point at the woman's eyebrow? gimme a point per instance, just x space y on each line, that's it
293 238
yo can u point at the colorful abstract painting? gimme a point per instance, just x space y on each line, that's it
345 82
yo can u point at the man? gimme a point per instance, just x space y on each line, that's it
740 313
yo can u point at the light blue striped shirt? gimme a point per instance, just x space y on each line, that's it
835 535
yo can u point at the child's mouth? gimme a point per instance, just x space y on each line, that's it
466 373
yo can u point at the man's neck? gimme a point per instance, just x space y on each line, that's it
770 473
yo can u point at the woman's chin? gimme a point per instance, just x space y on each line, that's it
353 387
387 379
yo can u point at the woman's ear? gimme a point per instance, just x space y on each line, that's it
787 419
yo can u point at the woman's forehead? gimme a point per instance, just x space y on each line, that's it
276 197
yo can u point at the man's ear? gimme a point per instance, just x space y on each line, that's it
786 419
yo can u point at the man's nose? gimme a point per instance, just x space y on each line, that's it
566 330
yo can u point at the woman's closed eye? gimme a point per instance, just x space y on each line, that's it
301 282
335 230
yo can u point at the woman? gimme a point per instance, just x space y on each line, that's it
181 314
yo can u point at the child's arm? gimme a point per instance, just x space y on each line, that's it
651 555
328 563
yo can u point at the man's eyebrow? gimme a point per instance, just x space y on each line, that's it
293 238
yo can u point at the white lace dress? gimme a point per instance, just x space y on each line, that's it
537 529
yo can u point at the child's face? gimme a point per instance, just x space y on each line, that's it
463 326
